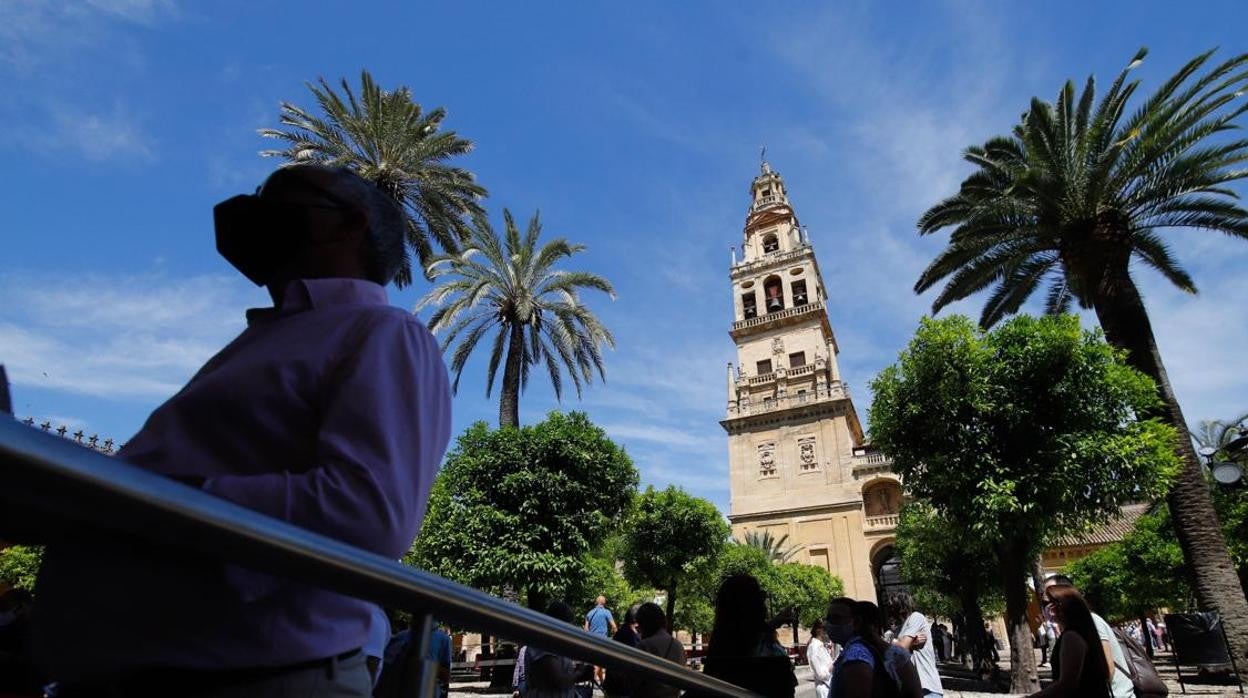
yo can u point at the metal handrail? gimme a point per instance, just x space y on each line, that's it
48 475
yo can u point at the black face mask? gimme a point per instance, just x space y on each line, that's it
258 236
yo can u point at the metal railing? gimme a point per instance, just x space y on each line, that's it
60 487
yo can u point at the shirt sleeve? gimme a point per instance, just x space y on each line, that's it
385 422
914 626
857 652
1102 629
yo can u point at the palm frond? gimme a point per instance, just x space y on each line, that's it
388 139
1079 185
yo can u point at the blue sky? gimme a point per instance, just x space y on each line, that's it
634 127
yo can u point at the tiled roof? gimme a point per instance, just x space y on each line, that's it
1109 532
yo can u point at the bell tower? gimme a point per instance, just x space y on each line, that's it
797 459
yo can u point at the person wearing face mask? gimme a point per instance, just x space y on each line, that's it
819 658
330 411
867 665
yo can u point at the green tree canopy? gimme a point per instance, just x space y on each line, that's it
389 140
1017 433
788 585
19 564
669 536
1137 575
806 589
510 289
522 508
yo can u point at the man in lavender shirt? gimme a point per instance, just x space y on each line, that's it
330 411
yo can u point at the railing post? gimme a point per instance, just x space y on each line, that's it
428 664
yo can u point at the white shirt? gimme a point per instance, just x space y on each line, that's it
820 660
1120 685
924 659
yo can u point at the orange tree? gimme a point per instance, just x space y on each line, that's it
1017 433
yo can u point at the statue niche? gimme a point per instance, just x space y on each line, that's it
882 499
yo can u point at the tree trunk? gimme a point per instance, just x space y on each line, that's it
509 398
537 600
1024 676
671 605
973 635
1122 316
1037 581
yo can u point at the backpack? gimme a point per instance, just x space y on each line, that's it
1144 677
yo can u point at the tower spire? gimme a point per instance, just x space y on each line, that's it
762 160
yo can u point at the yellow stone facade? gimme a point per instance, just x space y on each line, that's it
798 463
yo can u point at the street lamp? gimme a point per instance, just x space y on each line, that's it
1227 473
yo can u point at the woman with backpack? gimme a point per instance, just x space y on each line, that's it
867 666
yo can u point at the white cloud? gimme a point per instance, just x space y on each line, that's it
694 440
114 135
117 336
145 12
34 32
99 136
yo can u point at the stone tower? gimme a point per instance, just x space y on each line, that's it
798 463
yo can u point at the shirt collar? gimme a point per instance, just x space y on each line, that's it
313 294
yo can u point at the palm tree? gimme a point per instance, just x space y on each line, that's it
511 286
1075 195
389 140
769 544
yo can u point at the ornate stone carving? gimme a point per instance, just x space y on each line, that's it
777 345
806 450
767 458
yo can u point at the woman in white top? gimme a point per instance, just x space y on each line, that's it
819 657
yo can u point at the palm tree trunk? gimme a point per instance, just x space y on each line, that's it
1122 316
509 398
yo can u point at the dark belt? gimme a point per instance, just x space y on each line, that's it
168 681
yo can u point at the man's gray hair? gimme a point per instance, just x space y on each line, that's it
383 246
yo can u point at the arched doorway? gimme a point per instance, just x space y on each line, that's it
886 571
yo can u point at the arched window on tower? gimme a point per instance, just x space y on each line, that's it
773 288
799 293
749 305
771 243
